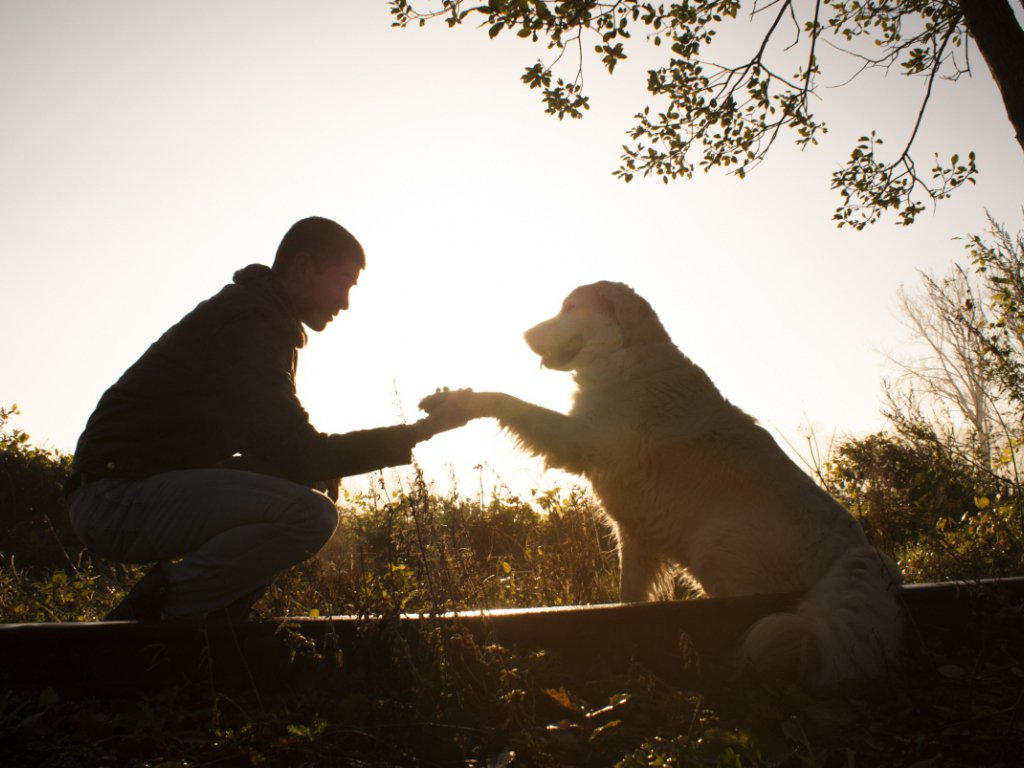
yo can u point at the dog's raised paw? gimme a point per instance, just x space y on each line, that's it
441 396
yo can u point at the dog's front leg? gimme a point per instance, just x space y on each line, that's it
561 440
640 567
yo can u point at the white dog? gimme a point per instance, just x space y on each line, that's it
690 480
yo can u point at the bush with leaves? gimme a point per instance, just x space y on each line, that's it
34 525
897 488
419 552
921 502
942 488
998 258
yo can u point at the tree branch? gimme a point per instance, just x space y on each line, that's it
1000 39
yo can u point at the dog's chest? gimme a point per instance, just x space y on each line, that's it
635 482
651 484
640 464
609 416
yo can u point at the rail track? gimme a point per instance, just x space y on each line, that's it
682 641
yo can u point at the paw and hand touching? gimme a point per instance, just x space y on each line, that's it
447 409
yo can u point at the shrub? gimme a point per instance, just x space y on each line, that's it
921 500
419 552
34 525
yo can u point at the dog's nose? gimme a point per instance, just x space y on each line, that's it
532 337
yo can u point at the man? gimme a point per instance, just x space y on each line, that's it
201 457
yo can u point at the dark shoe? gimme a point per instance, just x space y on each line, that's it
145 600
231 615
241 609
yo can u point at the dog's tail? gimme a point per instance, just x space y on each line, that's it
848 625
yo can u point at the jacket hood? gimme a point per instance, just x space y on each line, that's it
265 282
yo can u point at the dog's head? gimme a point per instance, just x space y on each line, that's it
595 321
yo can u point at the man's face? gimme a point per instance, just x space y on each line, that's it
325 294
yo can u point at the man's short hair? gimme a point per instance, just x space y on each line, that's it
326 241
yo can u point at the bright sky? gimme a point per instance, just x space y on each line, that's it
148 150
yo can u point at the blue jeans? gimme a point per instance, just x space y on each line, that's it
219 534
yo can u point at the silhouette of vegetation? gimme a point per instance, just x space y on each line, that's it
446 699
710 110
942 489
33 520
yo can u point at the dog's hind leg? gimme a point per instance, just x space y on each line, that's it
642 568
848 625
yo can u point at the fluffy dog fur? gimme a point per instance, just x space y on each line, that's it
690 480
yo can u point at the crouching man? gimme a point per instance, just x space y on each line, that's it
201 458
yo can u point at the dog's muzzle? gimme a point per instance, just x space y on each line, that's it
563 354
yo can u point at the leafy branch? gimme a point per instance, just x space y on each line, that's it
716 115
869 186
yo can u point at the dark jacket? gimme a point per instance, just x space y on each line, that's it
220 382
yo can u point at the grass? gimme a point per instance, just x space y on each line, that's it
448 699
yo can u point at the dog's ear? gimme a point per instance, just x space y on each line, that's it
634 316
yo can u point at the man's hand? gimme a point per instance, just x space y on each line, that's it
446 409
330 487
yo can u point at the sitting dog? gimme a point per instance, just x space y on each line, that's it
690 481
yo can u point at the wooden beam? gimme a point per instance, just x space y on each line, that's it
679 640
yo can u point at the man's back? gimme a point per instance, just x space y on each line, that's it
183 404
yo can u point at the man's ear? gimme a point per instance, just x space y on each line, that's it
302 266
299 272
298 277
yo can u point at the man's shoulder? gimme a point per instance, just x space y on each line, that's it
250 306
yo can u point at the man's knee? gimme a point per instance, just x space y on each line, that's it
320 520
